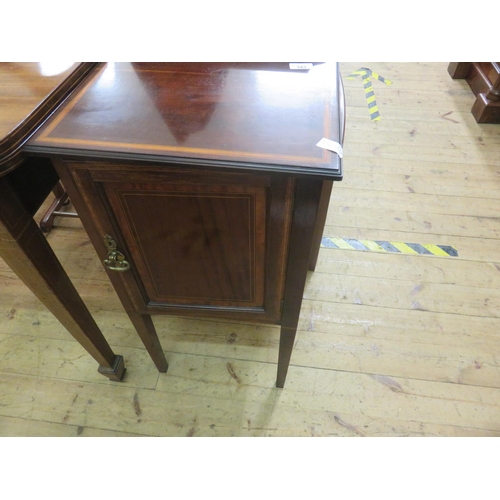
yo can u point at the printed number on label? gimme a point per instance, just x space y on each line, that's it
301 65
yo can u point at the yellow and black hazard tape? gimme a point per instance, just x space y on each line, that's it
370 99
389 247
367 75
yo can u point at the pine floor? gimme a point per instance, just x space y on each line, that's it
389 344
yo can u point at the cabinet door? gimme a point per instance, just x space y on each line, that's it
198 241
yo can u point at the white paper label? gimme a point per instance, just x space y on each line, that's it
300 65
331 146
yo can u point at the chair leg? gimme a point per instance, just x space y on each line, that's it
61 199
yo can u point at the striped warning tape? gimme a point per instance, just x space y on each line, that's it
389 247
367 75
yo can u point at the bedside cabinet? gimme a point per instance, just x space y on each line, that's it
201 186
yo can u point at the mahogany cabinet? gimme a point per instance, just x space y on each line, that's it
201 186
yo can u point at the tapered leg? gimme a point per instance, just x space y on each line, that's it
319 225
305 214
142 322
146 330
27 252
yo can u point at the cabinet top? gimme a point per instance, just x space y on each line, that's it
29 92
243 115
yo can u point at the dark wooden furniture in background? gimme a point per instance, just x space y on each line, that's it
484 80
28 96
201 186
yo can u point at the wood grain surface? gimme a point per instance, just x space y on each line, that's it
29 92
261 114
388 345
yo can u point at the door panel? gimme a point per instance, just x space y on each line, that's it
204 243
195 244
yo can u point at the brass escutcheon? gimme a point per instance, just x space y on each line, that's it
116 260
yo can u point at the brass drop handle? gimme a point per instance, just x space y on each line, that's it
116 260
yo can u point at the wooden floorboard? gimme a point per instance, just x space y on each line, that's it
388 344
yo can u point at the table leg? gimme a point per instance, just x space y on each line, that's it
27 252
146 330
308 196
